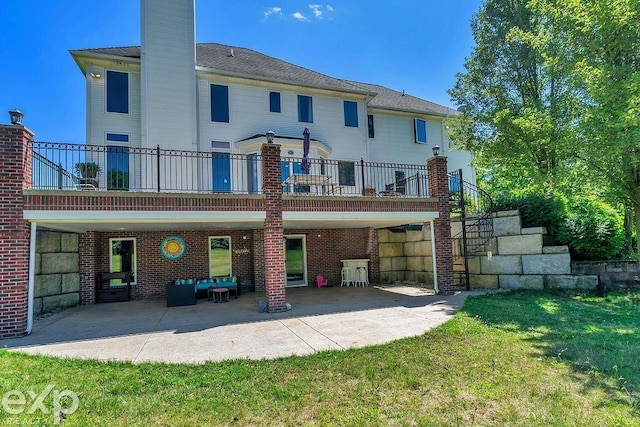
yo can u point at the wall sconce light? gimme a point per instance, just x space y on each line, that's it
270 135
96 75
244 237
436 150
319 236
16 116
489 255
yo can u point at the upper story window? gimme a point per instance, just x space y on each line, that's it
219 103
372 133
117 92
305 109
274 102
420 131
117 137
351 114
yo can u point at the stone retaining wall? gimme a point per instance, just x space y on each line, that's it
405 256
516 258
614 274
57 278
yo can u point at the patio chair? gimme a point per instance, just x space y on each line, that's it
321 281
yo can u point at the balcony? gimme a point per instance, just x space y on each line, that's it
78 167
113 188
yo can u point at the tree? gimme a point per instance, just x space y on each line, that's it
604 40
516 105
551 97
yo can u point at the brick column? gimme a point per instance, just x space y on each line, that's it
439 188
15 175
87 247
274 272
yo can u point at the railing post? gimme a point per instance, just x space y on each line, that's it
158 165
362 175
463 214
418 182
59 176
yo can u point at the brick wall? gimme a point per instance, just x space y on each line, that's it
88 254
154 271
326 247
15 152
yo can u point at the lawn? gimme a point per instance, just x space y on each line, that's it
505 359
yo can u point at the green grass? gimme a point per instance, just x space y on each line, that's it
527 359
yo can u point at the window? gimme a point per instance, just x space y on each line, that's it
252 173
219 256
122 257
420 131
370 125
346 173
117 168
219 103
274 102
117 92
305 109
351 114
117 137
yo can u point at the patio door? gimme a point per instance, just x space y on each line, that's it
295 260
122 257
221 166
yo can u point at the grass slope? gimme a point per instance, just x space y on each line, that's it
505 359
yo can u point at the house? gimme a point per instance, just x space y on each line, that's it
180 176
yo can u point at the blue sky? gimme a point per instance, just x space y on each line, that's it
412 45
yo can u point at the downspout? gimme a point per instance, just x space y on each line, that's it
32 278
433 251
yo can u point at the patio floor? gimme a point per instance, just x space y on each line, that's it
320 319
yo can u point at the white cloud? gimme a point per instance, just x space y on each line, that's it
317 10
300 17
330 8
273 11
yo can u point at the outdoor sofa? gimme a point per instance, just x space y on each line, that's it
185 291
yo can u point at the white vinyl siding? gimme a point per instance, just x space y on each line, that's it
99 122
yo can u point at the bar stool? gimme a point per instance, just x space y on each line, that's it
361 277
347 276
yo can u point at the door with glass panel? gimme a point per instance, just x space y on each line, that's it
295 251
221 166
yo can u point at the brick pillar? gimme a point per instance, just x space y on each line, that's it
439 188
88 247
15 175
274 272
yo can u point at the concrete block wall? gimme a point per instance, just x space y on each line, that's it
57 275
405 256
517 259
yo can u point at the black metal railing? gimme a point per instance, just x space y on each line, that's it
353 178
59 166
92 167
473 207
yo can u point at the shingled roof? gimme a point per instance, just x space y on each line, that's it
243 62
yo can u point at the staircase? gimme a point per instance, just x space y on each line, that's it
472 225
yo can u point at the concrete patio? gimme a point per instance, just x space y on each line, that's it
334 318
